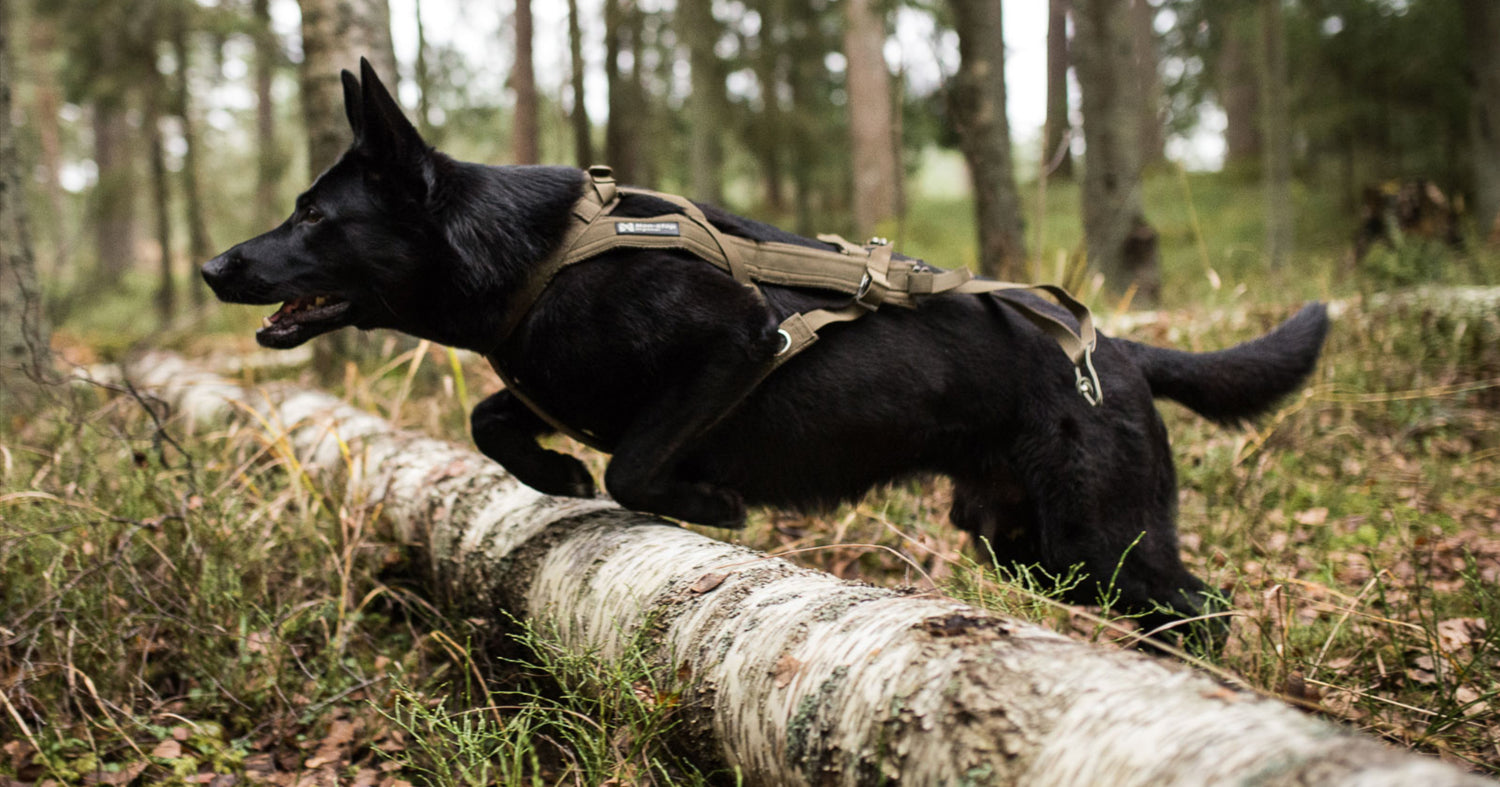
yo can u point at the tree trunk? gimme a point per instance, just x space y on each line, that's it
45 95
1058 131
1238 91
769 137
270 164
335 34
700 31
113 209
1276 126
976 102
166 287
423 77
1482 22
524 137
806 82
626 109
1148 73
583 134
200 247
1121 244
25 358
790 675
868 87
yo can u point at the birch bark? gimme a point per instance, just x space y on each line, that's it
792 675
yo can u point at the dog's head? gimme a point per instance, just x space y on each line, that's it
357 247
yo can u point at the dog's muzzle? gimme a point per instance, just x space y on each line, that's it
220 270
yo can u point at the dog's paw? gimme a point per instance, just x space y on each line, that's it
714 506
561 476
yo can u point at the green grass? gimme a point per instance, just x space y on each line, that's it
180 602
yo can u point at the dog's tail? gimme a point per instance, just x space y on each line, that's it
1230 386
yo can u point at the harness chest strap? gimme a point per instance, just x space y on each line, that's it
868 273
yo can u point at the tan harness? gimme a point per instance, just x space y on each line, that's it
867 273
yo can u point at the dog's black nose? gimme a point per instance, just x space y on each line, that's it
218 270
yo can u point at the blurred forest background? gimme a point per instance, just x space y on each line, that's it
154 132
185 605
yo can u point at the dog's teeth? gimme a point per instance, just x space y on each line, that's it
320 300
266 322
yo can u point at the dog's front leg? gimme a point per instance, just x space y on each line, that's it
506 430
644 473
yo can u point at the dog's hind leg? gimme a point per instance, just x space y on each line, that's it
506 430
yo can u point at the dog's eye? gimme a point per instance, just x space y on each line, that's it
311 215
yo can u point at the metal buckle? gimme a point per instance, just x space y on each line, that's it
1089 386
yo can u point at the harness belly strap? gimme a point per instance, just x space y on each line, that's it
867 273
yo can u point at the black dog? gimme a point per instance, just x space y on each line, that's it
657 354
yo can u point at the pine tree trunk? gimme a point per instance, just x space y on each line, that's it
583 134
1276 127
1152 92
976 102
335 34
113 209
270 164
1482 21
626 112
1121 244
804 80
770 137
47 100
525 136
700 31
789 675
1058 132
423 76
871 134
166 287
200 247
1238 90
25 357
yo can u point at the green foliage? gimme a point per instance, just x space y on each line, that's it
570 717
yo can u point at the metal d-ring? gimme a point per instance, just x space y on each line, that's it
786 341
864 287
1088 385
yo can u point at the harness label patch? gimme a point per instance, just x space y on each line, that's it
647 228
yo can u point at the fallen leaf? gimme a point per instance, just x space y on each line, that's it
339 733
167 750
1312 516
786 669
1455 634
708 582
125 775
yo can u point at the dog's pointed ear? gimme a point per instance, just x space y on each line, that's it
352 104
383 130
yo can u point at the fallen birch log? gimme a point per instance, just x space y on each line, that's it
789 674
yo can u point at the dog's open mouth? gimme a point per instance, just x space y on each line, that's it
303 318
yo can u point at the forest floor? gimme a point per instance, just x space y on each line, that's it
185 606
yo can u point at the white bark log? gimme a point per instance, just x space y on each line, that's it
792 675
